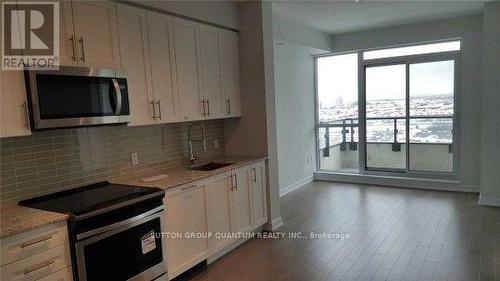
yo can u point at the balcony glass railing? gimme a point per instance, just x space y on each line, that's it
389 130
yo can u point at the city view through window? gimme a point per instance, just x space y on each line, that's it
430 108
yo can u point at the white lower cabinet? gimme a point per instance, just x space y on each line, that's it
239 199
39 254
219 212
185 213
258 193
217 209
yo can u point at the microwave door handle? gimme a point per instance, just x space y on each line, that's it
118 94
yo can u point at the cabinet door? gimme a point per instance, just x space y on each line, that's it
161 37
211 87
13 111
258 194
240 201
134 54
67 40
219 189
186 39
185 212
96 34
230 67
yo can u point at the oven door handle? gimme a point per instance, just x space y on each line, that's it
118 95
118 224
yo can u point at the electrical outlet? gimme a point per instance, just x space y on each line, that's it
134 157
216 143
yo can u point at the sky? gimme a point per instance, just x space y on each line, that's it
337 78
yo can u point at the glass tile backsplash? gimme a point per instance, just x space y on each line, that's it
50 161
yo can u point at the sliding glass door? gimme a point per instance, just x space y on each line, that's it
385 117
409 113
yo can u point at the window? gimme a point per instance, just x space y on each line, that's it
337 91
412 50
408 104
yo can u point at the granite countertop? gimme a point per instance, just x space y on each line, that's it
181 176
16 219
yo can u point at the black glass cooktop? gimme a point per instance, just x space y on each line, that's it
91 198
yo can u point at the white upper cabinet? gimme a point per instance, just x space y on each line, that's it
67 47
186 45
13 112
161 49
96 34
230 69
211 88
134 53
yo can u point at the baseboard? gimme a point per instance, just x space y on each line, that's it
274 225
287 189
430 184
489 201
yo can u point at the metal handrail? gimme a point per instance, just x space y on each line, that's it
349 123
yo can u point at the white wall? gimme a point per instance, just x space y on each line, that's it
490 172
294 88
224 13
294 45
470 30
285 30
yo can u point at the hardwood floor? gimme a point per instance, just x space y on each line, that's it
394 234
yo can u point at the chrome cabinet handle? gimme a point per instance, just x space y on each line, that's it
118 95
229 106
235 182
45 264
37 241
72 39
203 105
189 187
152 103
208 107
83 49
159 109
255 175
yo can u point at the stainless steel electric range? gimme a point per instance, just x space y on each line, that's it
115 230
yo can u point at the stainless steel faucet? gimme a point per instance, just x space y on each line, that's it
193 157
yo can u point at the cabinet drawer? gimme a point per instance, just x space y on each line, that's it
38 266
32 242
62 275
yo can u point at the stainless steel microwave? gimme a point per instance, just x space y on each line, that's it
77 96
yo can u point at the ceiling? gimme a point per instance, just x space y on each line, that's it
336 17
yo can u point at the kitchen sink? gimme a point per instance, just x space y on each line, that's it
210 166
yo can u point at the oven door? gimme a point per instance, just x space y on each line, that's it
130 252
77 96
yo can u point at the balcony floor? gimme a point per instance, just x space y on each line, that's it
395 234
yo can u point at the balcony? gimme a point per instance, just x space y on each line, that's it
431 144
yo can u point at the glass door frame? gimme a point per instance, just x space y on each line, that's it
408 60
